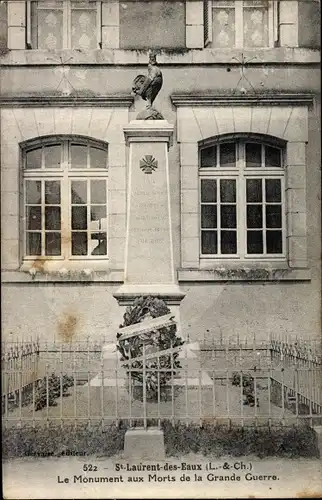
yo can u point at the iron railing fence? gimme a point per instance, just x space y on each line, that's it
20 361
208 388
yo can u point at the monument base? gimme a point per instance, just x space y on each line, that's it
144 444
191 374
170 293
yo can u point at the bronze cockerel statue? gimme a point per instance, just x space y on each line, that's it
148 88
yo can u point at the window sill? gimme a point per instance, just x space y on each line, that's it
278 55
58 272
244 274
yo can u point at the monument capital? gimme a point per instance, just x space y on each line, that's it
148 130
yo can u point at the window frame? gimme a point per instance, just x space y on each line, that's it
209 7
241 173
65 174
66 28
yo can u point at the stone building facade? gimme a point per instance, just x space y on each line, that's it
242 87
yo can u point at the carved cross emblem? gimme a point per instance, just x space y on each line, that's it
148 164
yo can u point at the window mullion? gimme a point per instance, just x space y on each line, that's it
241 206
218 218
239 24
264 216
89 201
263 156
271 24
99 24
66 24
65 204
43 234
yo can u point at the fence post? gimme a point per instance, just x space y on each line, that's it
47 394
241 398
116 391
61 383
172 385
102 384
227 387
88 386
283 397
186 385
131 387
200 398
74 378
144 389
159 393
20 385
214 396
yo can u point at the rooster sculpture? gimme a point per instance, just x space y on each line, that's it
148 88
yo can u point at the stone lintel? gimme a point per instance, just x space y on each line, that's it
55 101
258 99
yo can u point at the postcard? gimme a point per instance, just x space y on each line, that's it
161 249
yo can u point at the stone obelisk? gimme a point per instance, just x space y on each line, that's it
149 262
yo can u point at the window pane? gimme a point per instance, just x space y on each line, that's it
79 192
272 157
33 243
223 25
208 157
255 27
78 154
228 216
273 216
253 155
273 190
83 24
50 28
98 158
209 216
79 217
33 192
52 155
53 244
79 243
209 190
33 159
98 217
254 216
228 155
52 192
228 242
274 241
52 218
208 242
254 242
98 244
253 190
98 191
34 218
228 191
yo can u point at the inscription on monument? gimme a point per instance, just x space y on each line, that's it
149 216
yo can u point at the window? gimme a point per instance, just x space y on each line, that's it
240 23
65 199
241 200
65 24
